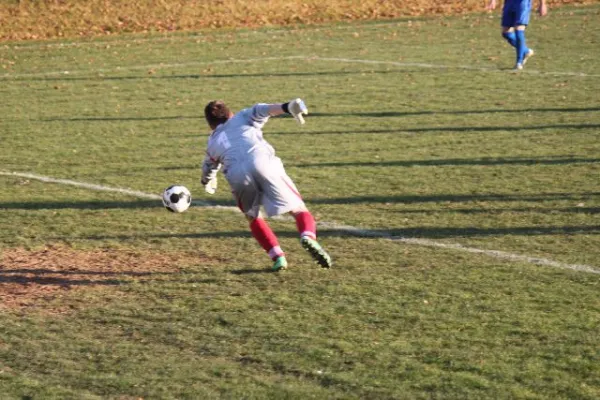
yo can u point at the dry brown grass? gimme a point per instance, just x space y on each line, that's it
32 279
43 19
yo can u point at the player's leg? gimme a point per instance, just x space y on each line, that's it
521 22
508 33
305 222
307 228
523 52
280 195
248 197
264 235
508 22
289 199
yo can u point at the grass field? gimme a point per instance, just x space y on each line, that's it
459 200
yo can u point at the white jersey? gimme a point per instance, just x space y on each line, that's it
238 139
256 176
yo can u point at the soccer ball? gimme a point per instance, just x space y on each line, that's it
177 198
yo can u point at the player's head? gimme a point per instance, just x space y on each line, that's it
216 113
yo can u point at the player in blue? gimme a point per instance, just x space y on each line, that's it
515 18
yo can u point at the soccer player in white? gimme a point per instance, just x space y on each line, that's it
256 175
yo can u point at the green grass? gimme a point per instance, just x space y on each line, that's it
483 158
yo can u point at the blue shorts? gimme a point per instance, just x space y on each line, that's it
516 12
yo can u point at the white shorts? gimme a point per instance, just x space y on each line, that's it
262 181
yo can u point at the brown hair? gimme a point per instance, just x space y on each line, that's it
216 112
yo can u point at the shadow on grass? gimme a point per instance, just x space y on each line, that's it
381 114
252 271
412 232
442 129
464 129
53 281
125 119
453 162
453 198
404 199
147 77
109 119
561 160
450 232
42 276
535 210
389 114
42 271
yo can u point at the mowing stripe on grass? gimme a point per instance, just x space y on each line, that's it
297 58
144 67
332 225
400 22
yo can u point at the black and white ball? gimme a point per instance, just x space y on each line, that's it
177 198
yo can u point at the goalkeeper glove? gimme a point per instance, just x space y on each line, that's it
296 107
210 185
209 181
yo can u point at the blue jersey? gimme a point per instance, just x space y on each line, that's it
516 12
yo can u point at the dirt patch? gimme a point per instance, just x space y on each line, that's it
28 19
31 279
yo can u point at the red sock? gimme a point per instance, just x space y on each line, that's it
265 237
306 224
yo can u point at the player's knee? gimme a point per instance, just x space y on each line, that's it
521 27
299 210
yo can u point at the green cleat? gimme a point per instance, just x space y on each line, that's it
280 264
317 252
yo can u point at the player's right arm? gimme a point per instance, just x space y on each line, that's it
296 108
210 167
261 112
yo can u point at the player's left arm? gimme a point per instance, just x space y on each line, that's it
543 8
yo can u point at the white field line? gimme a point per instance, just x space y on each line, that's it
442 66
295 58
345 228
455 246
101 188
